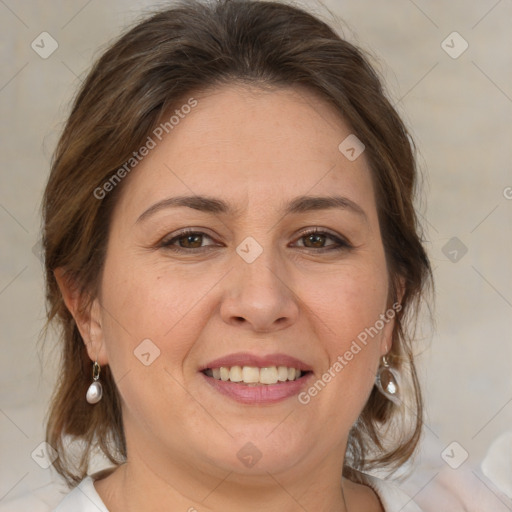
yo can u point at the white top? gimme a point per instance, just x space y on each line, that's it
391 497
84 498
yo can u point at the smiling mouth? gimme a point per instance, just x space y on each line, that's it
255 376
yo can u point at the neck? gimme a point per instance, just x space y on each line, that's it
143 485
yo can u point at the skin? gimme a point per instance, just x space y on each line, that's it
256 150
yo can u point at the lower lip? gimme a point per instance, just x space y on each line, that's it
260 394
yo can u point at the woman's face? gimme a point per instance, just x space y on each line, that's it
250 287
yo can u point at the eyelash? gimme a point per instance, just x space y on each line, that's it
340 244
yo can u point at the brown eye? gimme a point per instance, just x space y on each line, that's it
186 240
190 241
316 239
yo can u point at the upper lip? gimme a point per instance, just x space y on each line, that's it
260 361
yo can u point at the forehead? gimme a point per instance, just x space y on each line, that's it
250 146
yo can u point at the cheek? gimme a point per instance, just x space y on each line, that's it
348 301
147 336
148 301
348 307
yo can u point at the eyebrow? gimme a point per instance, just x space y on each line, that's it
301 204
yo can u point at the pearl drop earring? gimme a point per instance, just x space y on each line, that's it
95 391
388 382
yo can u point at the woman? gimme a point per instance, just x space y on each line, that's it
232 253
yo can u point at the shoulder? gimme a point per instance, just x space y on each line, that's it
42 499
83 498
56 497
391 496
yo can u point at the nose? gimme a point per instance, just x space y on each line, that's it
259 295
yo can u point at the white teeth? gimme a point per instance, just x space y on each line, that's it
254 375
224 373
282 373
235 374
268 375
250 374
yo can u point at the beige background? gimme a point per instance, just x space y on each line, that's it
460 113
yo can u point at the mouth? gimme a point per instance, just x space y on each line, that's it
254 376
252 379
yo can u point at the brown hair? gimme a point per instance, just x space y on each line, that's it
147 72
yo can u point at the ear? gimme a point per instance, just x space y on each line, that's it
88 321
390 315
